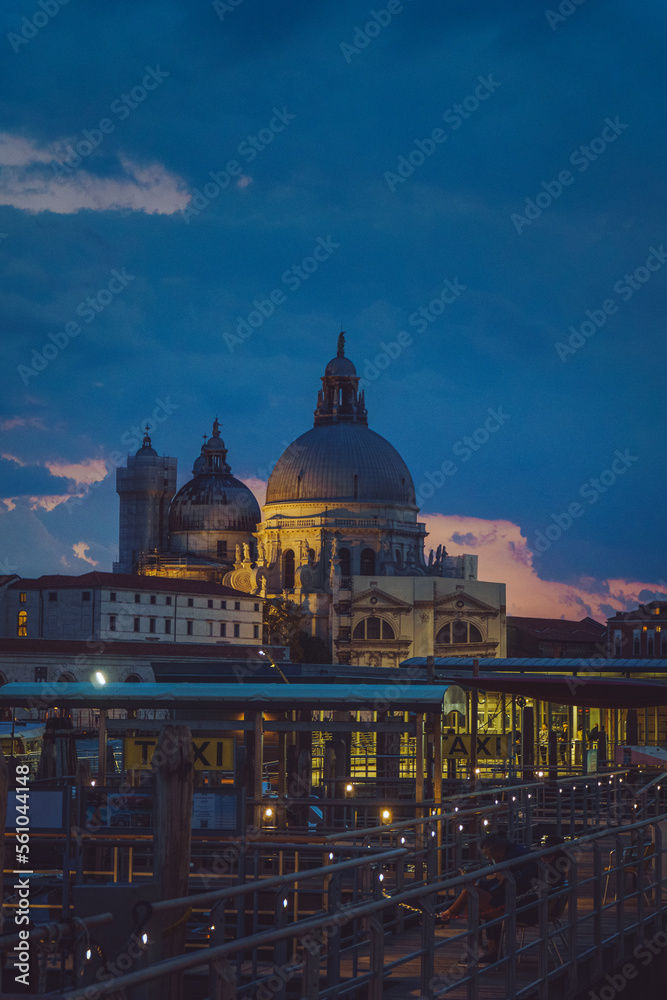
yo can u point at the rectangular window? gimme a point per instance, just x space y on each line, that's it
237 605
237 631
137 598
189 627
210 604
85 595
191 602
53 595
152 622
153 599
137 624
222 550
256 607
112 595
209 628
223 605
167 601
112 623
40 674
167 626
22 598
255 631
223 629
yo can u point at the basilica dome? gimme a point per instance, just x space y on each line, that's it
340 458
341 461
213 500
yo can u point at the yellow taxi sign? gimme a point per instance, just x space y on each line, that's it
490 746
210 754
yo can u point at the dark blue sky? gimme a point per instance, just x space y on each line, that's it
515 155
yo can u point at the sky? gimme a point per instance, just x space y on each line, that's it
196 197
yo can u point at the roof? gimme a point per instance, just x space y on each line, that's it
586 691
559 629
341 461
424 697
645 613
128 581
554 665
148 649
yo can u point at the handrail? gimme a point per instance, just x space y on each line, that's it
9 941
275 881
343 916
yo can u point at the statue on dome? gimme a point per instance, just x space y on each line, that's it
341 345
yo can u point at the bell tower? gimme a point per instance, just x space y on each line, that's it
145 488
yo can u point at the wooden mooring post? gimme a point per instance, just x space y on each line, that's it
173 784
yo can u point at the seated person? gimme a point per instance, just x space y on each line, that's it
496 847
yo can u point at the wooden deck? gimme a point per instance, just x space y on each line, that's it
451 943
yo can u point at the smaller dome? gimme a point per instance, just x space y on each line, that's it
146 450
340 366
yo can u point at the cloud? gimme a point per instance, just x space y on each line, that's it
46 486
80 550
91 470
13 422
258 487
26 182
507 559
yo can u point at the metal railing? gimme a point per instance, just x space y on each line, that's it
325 954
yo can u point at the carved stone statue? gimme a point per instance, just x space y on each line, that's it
238 552
246 552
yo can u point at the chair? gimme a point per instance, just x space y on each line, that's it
555 909
630 855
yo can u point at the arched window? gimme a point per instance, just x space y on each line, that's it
373 628
367 562
288 570
66 678
22 624
133 679
345 562
399 558
458 632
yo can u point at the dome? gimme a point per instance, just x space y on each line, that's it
146 450
341 461
340 366
214 502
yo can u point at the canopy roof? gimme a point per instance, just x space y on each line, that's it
356 697
585 690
